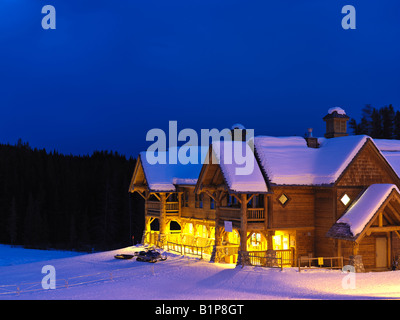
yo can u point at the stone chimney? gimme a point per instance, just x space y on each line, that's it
336 123
311 141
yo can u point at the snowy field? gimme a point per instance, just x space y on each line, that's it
100 276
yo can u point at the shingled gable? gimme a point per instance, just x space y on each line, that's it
356 221
371 151
219 171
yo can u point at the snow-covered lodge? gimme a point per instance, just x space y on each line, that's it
336 196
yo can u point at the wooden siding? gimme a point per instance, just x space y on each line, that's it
367 168
298 212
325 210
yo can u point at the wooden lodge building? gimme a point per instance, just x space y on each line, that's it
336 196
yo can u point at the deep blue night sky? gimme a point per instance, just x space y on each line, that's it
112 70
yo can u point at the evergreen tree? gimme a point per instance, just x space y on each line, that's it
396 126
12 223
376 124
387 116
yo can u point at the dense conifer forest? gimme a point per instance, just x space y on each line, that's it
378 123
50 200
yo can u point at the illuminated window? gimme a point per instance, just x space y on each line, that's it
283 199
277 242
255 239
345 199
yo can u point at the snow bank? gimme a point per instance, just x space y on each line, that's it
182 278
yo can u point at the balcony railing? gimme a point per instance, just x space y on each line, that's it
255 214
228 213
155 207
172 207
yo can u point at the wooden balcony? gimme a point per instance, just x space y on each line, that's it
229 213
253 214
172 208
154 207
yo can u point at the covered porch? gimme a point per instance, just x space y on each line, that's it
370 229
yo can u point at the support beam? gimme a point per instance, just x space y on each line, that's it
383 229
243 222
163 215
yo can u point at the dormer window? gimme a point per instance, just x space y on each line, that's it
345 199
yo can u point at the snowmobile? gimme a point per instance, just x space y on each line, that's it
150 256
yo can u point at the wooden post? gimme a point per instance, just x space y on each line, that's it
180 204
355 248
162 220
266 213
269 240
243 222
389 250
218 229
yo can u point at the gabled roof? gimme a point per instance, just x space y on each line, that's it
390 149
277 161
359 214
288 160
239 167
163 177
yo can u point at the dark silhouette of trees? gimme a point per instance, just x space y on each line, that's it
50 200
383 123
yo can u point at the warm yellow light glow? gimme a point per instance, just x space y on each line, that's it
283 199
190 228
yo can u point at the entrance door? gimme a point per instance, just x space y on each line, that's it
381 252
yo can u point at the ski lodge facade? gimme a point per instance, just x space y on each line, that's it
336 196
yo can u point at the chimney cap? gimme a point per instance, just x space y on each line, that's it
336 112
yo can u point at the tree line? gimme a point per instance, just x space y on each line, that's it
379 123
50 200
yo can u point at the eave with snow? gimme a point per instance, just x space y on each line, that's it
302 199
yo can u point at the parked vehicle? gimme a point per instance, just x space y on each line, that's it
150 256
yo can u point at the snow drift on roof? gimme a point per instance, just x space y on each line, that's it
390 149
251 180
164 177
362 211
337 109
288 160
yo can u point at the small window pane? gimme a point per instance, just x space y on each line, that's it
345 199
283 199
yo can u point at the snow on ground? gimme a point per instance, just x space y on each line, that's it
17 255
100 276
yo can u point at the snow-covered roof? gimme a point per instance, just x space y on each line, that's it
283 160
163 177
337 109
288 160
355 219
239 167
390 149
